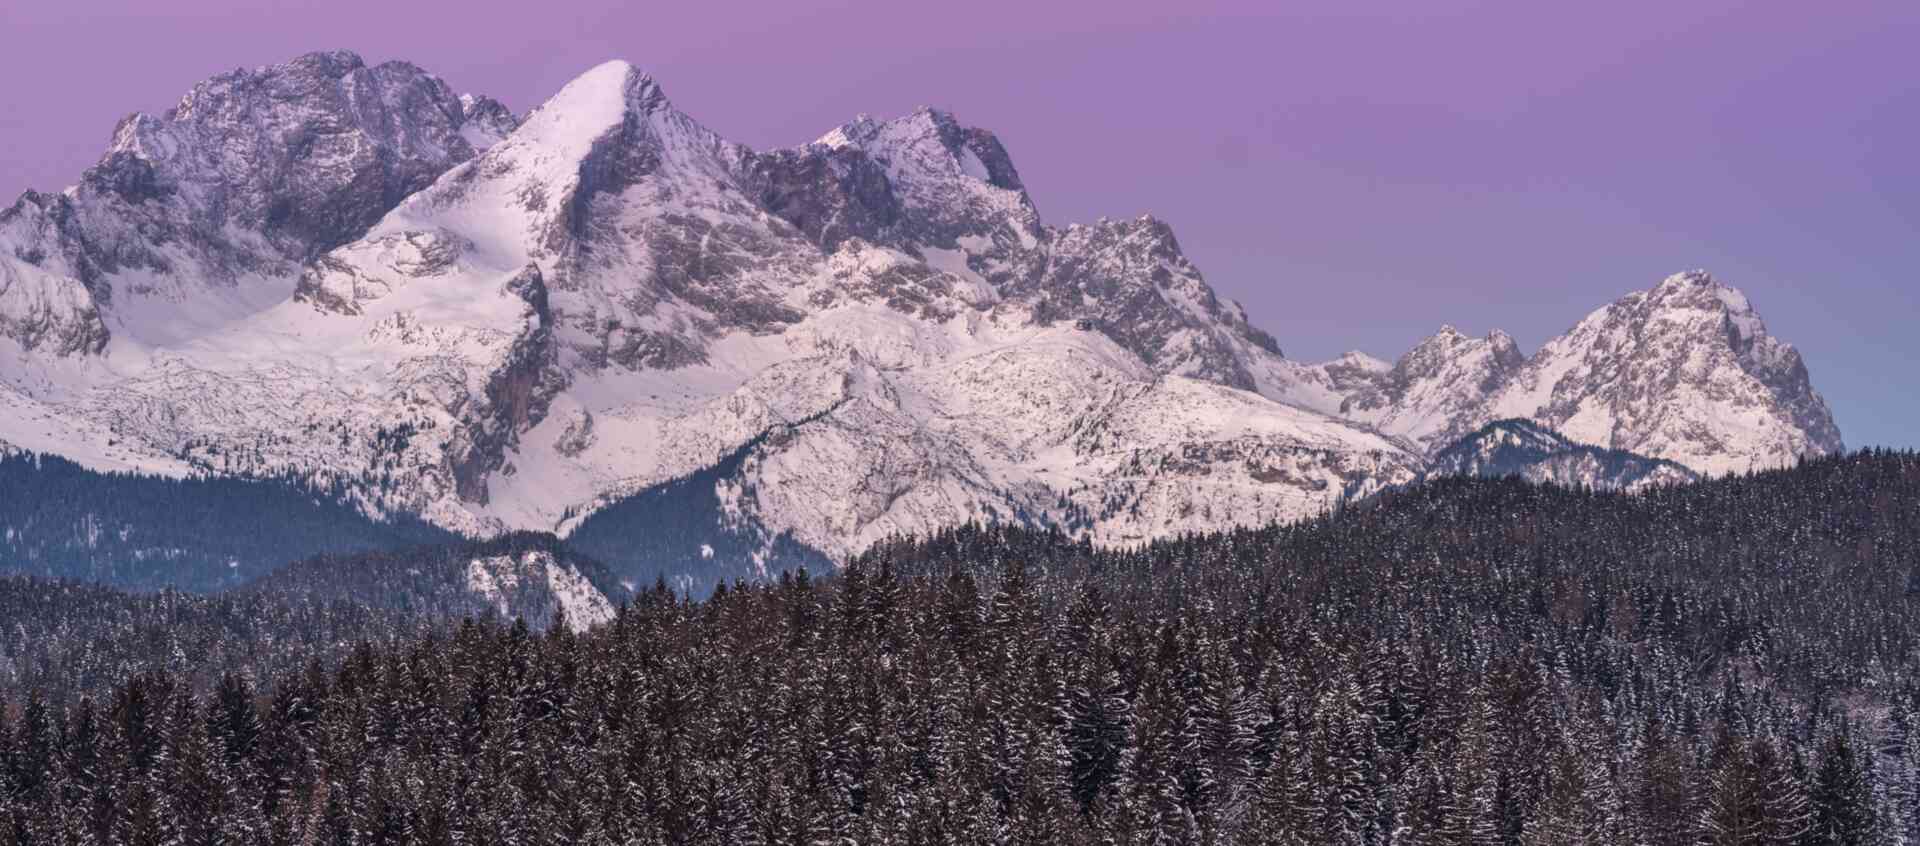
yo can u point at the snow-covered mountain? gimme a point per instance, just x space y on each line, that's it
1434 394
206 212
1685 372
352 273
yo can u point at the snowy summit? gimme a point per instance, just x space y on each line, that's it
502 322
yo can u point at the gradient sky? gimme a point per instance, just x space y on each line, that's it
1356 173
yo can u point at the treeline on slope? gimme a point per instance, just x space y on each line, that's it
433 581
64 639
680 532
61 520
1780 567
1519 447
1462 662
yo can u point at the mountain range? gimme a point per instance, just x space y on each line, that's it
355 276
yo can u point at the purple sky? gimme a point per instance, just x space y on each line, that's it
1356 173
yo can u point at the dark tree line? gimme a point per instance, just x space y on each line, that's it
61 520
1463 662
432 582
61 638
679 531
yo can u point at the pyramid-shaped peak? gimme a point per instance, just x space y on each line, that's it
607 87
591 104
609 71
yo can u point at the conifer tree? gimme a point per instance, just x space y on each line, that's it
1841 797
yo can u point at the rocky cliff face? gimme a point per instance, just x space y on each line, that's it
351 273
1433 394
1686 371
252 174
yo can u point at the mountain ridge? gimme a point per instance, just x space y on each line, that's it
605 296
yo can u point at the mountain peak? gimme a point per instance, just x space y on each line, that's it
1684 371
339 62
1687 280
1364 361
1698 290
612 72
592 104
929 143
300 75
567 309
1449 335
222 198
1699 286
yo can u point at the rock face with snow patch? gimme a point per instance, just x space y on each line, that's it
1686 372
253 173
1431 395
500 324
532 583
525 575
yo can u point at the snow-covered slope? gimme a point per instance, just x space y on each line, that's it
504 323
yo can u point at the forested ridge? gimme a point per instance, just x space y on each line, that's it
432 582
61 520
1460 662
680 531
61 639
